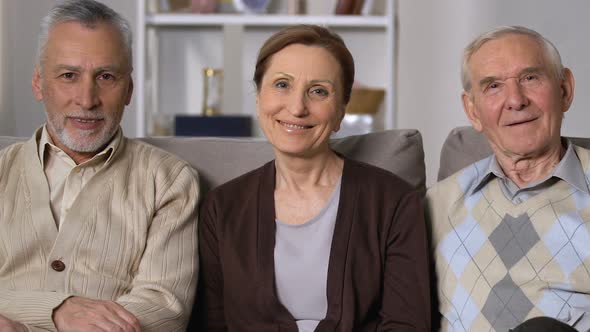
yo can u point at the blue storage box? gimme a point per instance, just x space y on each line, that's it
219 125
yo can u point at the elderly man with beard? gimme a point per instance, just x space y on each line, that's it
97 231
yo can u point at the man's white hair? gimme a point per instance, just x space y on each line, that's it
551 53
88 13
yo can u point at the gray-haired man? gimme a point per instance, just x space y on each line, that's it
97 231
512 231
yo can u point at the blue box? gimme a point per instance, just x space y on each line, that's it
219 125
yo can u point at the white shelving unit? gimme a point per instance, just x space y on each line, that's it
193 20
173 49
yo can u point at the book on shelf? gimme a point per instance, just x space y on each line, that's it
349 7
367 7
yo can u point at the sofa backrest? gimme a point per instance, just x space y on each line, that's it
464 146
221 159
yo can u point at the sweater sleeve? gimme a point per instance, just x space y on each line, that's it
39 307
406 295
163 289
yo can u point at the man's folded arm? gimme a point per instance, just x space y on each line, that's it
33 309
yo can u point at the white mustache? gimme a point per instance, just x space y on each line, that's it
89 115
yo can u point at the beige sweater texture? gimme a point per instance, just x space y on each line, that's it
130 237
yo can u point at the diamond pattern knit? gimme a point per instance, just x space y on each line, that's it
500 263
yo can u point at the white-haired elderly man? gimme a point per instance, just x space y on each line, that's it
97 231
511 232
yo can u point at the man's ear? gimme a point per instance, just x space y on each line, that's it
471 111
567 89
129 91
36 84
257 106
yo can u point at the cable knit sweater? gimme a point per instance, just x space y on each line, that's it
129 237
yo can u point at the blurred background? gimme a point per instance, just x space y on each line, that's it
411 52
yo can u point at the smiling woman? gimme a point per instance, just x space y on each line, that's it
326 243
300 101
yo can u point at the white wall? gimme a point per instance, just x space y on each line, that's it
22 18
6 121
432 35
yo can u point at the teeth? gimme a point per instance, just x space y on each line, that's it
87 120
293 126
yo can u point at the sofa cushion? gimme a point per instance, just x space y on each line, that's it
464 146
219 160
7 140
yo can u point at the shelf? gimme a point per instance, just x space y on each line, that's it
172 46
188 20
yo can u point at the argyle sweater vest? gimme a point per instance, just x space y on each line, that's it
498 263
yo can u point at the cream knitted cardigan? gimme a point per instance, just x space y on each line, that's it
130 237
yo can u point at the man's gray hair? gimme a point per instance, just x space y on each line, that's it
551 53
88 13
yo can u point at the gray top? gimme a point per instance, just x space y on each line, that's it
302 254
569 170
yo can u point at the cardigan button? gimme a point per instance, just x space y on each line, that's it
58 265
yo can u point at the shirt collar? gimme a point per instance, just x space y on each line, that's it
569 170
44 142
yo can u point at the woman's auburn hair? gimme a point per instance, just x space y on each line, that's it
309 35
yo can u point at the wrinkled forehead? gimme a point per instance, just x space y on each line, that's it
98 40
508 54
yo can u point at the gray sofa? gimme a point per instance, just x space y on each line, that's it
464 146
399 151
221 159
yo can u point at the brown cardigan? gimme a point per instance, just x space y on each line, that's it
378 271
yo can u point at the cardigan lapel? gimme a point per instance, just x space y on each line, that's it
338 252
75 215
39 191
266 225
